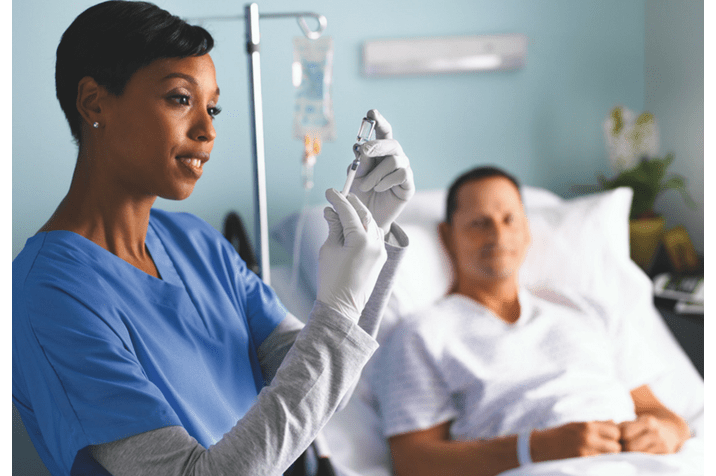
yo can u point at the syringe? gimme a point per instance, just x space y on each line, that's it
367 126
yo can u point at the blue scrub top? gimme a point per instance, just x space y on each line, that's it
103 351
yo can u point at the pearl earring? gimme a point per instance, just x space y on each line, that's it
96 125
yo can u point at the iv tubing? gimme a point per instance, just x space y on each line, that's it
297 241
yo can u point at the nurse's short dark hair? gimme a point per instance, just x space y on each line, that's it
473 175
110 41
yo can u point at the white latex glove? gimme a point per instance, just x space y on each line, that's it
352 256
384 179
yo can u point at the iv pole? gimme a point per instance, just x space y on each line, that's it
253 39
251 20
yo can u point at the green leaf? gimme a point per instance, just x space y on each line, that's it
674 182
646 179
677 182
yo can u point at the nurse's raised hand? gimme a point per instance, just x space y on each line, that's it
384 179
352 256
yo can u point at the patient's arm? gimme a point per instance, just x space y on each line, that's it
656 428
431 452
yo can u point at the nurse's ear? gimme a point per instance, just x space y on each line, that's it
90 98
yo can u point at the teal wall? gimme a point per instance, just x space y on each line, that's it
542 122
674 92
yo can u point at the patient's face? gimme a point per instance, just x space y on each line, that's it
489 235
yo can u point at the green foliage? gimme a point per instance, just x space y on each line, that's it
647 180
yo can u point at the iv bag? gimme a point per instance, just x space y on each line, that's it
312 78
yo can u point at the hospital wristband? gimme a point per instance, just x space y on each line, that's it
523 448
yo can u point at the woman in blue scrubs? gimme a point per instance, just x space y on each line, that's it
141 342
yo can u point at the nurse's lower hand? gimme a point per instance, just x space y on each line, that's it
352 256
384 179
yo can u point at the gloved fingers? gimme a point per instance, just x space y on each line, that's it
362 211
365 164
389 172
398 182
371 227
380 148
375 152
383 129
335 229
345 207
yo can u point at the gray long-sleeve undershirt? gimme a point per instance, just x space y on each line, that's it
311 369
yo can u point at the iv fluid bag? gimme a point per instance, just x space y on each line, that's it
312 78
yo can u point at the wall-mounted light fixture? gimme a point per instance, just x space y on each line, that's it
455 54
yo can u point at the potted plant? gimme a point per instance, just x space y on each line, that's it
633 144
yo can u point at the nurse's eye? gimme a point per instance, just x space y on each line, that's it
214 111
181 99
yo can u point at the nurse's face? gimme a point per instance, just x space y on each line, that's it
159 132
489 235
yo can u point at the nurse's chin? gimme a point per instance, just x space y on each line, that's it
179 193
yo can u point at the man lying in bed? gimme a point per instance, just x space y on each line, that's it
493 376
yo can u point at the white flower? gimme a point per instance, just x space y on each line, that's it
629 138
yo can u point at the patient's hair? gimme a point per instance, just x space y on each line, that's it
110 41
478 173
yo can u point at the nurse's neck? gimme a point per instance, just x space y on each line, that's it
96 209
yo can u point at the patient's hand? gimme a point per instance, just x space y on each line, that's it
649 434
656 428
575 439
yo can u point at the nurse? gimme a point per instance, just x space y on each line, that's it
142 345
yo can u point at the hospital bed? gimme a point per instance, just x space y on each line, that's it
580 243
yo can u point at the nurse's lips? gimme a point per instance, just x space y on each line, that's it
194 161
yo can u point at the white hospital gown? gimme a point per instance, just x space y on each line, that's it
562 361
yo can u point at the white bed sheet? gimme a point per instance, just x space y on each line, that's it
689 461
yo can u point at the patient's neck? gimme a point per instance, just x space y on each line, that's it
499 296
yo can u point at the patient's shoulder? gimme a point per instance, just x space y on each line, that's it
443 318
423 334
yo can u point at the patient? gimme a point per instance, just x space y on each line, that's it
493 376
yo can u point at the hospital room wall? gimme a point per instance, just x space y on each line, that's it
542 122
674 92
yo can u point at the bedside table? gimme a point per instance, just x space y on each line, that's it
688 330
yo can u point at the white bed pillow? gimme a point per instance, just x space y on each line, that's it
574 241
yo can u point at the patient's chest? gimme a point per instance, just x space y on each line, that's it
553 366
